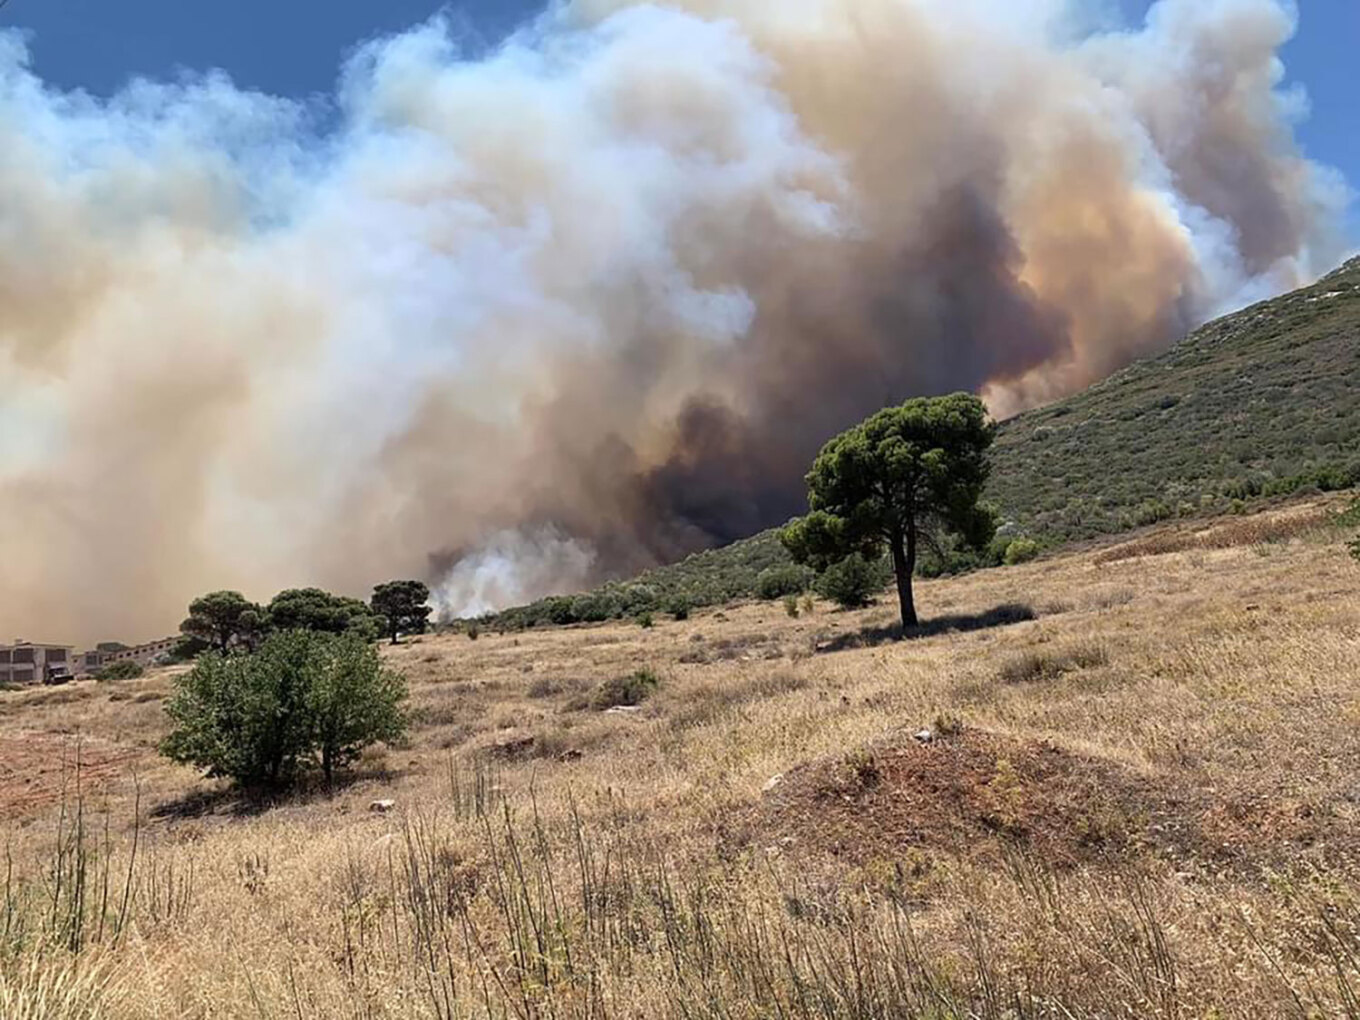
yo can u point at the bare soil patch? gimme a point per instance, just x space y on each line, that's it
977 794
39 769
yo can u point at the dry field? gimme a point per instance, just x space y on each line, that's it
1139 799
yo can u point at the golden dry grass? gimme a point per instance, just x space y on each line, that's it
1150 810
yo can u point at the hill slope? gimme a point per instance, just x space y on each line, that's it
1262 402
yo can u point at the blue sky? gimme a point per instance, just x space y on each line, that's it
295 48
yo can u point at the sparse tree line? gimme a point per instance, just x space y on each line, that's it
223 621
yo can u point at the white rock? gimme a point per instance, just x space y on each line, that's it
382 806
772 782
925 737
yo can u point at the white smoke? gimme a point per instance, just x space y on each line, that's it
601 290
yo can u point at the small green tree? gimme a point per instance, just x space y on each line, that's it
223 620
404 607
1022 550
353 701
244 716
316 610
882 483
853 582
785 579
304 699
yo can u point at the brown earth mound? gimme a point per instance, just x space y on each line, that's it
37 769
972 794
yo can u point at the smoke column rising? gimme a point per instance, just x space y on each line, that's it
518 323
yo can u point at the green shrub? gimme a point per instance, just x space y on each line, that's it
854 581
791 606
187 649
679 608
778 582
645 621
304 700
473 632
126 669
1021 550
629 690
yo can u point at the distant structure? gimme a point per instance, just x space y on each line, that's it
107 654
25 662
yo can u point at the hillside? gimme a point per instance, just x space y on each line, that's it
1139 788
1263 402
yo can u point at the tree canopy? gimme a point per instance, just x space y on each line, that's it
303 700
320 611
403 606
895 479
224 619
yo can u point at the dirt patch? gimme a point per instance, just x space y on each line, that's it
36 770
976 794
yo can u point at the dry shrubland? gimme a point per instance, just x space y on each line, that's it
1140 801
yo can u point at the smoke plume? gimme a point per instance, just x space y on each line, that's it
519 322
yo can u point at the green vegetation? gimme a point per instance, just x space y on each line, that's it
127 669
707 578
1020 550
226 621
1264 402
626 691
302 701
901 475
322 613
853 582
223 620
784 580
403 607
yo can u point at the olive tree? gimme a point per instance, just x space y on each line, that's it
902 474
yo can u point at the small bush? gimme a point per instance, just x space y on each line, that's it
629 690
304 700
679 608
778 582
1021 550
1035 666
127 669
473 632
645 621
791 606
853 582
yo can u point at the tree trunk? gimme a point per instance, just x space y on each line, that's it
904 566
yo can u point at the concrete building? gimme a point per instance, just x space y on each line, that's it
25 663
143 655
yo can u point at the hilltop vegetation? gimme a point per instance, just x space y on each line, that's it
1261 403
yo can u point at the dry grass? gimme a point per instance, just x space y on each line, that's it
1150 810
